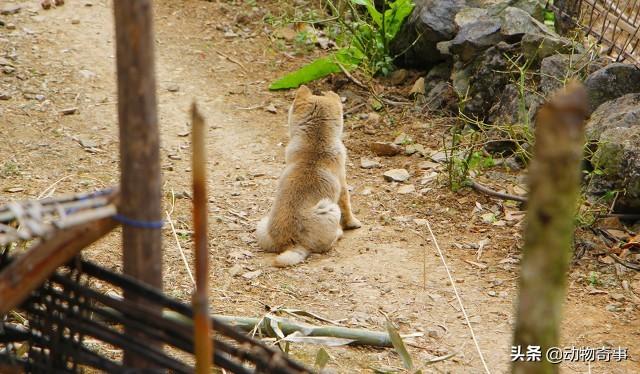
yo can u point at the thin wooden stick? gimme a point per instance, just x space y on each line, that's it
180 250
202 322
455 291
488 191
554 187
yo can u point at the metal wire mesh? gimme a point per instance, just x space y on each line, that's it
66 312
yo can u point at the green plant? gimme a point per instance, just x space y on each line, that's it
593 279
10 169
365 42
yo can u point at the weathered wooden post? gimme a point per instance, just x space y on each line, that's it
554 187
140 208
202 321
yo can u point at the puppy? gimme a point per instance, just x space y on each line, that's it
312 204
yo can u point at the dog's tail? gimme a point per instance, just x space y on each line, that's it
291 256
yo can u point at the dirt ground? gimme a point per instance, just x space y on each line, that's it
64 58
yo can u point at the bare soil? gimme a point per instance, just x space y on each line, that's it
388 267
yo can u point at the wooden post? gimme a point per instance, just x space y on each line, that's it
202 322
139 145
554 187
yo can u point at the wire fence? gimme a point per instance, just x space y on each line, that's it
615 25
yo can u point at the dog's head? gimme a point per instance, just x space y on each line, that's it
319 116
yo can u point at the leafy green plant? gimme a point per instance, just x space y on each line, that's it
366 42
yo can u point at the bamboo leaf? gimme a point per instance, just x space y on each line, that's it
350 58
322 340
394 16
322 358
399 346
371 8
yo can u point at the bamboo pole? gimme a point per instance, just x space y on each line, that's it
202 323
554 187
139 146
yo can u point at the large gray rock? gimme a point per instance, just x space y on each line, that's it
612 81
483 80
537 46
475 37
517 22
615 129
515 107
432 21
557 69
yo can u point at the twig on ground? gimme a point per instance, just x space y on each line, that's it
488 191
353 109
184 258
626 264
51 189
232 60
351 77
455 290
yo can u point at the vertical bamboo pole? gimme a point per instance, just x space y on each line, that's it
202 322
139 146
554 187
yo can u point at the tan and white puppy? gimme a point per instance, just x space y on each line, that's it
312 204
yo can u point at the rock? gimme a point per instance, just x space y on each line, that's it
396 175
88 143
556 69
538 46
285 33
271 109
402 139
406 189
431 21
8 69
252 274
428 165
535 8
615 127
372 120
441 96
366 163
173 88
87 74
69 111
475 37
428 177
5 96
517 22
617 297
413 149
366 191
440 156
509 110
385 149
439 72
397 77
479 81
469 15
612 81
11 26
10 9
75 21
417 88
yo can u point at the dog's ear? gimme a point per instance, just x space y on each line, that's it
303 92
333 95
